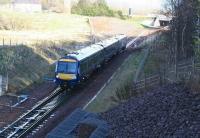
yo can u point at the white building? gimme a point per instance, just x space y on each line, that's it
157 21
27 5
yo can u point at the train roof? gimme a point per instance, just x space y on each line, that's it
94 48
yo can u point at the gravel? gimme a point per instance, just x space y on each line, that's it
169 111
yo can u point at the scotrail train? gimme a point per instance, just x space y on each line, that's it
74 67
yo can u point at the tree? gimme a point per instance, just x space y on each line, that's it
183 27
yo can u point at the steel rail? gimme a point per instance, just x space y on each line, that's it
27 122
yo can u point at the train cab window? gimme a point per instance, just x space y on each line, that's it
71 67
67 67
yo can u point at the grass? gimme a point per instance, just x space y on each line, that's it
22 27
137 20
122 81
43 21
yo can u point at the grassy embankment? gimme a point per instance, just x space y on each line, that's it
120 87
121 81
45 38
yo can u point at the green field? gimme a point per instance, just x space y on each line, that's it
22 27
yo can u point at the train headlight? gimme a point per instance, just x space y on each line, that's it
73 77
57 76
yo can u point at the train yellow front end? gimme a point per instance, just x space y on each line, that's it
66 72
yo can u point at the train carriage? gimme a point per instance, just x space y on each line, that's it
72 68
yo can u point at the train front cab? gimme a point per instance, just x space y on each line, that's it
67 72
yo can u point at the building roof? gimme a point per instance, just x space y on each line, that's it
160 17
27 1
164 18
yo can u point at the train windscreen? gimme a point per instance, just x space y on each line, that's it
67 67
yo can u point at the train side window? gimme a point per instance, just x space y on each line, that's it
96 58
84 66
93 61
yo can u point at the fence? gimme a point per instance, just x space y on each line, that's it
8 42
147 82
182 71
150 80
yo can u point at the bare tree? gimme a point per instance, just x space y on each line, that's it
183 27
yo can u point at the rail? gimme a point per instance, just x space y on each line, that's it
27 122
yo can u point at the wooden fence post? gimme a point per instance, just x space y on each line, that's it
134 87
145 81
160 77
7 82
164 75
10 106
3 41
193 65
10 43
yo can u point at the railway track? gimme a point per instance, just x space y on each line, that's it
27 122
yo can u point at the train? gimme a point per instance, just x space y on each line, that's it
74 67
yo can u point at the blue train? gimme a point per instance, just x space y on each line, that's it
74 67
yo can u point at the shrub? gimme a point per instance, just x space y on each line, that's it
99 8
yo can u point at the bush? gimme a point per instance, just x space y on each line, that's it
98 8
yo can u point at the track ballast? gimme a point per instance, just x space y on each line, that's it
27 122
